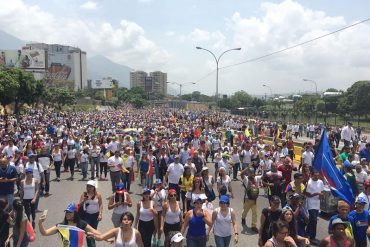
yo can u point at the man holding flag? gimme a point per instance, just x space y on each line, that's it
324 165
115 164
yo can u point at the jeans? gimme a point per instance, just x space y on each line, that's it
57 165
92 220
47 183
71 164
84 169
347 143
103 167
248 205
94 162
126 179
115 178
25 240
222 241
9 198
312 223
244 165
29 209
236 169
192 241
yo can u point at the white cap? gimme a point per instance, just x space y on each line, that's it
203 196
92 183
177 238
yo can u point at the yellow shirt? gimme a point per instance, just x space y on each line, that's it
188 183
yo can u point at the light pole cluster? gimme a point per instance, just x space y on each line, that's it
181 84
217 59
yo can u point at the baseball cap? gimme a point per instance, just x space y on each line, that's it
225 199
158 181
205 168
197 198
347 164
177 238
146 190
338 221
72 207
361 200
28 169
32 155
203 197
120 186
92 183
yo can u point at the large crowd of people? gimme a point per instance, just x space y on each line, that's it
171 153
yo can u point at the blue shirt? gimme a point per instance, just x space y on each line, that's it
9 172
360 223
365 153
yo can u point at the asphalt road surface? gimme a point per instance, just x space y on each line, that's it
66 191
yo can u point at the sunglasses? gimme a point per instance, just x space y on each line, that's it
223 203
171 195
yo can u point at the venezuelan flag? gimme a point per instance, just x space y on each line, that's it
122 168
246 133
150 169
71 236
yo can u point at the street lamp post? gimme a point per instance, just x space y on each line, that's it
217 63
314 82
264 85
182 84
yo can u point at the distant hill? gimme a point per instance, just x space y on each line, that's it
9 42
99 66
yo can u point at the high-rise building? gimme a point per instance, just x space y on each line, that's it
65 65
156 82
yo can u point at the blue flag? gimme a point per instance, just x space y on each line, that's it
324 163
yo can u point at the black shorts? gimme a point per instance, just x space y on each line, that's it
171 227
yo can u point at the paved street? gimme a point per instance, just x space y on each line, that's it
67 191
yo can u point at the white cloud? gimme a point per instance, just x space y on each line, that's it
89 5
199 37
334 61
126 44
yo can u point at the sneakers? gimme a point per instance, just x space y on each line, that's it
255 229
243 222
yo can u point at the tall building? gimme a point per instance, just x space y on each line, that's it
66 65
59 65
156 82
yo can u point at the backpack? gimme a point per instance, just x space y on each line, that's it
251 190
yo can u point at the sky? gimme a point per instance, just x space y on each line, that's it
153 35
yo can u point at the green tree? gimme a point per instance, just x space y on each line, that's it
62 96
8 87
356 99
241 99
28 88
99 95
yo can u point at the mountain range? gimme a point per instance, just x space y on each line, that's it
98 66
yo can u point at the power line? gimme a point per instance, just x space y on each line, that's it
288 48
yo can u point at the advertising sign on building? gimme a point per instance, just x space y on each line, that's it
25 58
102 84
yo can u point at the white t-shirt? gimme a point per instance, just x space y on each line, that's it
115 161
314 187
247 156
10 151
37 170
175 171
308 157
